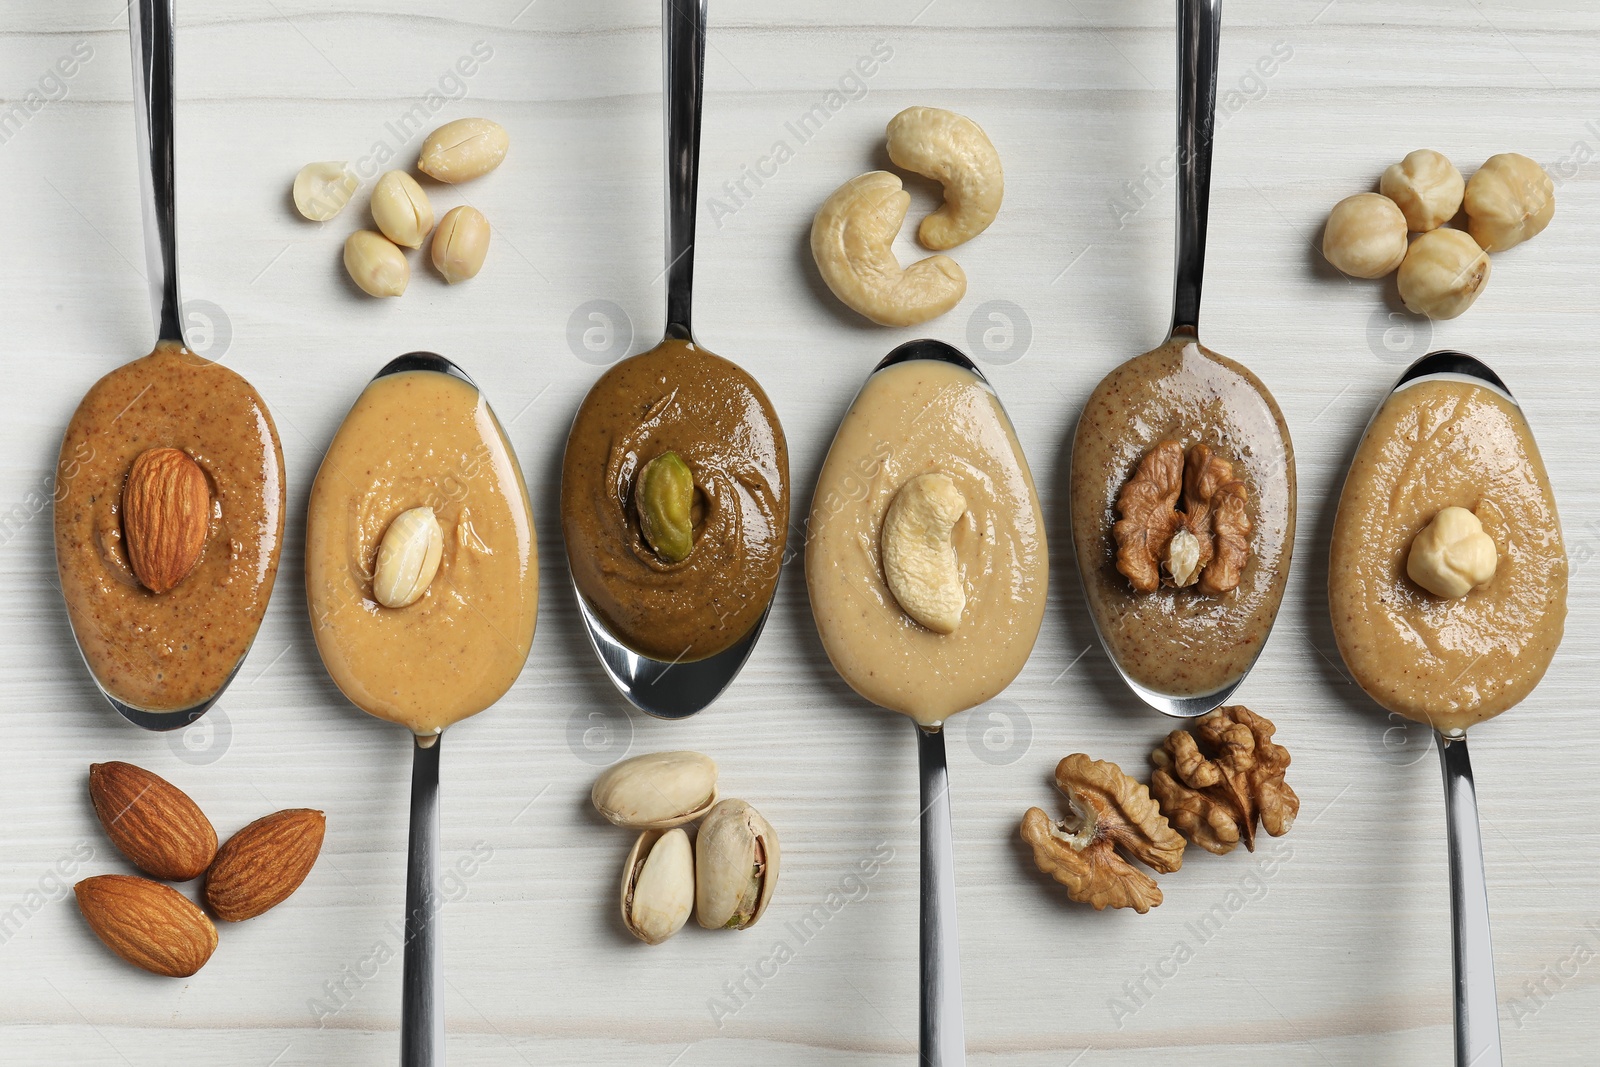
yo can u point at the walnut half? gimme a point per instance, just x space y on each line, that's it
1111 814
1204 545
1215 795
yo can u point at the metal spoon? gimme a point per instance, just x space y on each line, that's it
942 1036
150 33
1199 36
1477 1011
422 1006
670 689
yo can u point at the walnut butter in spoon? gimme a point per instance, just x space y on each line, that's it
1183 509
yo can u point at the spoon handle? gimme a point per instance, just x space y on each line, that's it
943 1037
1477 1009
422 1008
683 61
1199 34
150 31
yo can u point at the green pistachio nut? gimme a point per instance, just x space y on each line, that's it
664 495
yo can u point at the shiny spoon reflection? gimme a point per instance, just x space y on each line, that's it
674 688
1208 377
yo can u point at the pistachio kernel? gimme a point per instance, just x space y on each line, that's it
664 496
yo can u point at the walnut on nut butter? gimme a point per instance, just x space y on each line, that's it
1111 814
1214 790
1204 545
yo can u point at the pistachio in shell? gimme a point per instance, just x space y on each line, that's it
658 885
656 791
736 866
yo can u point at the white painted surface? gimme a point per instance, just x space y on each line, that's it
1340 955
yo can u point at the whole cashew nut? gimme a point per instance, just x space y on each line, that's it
850 240
955 152
919 562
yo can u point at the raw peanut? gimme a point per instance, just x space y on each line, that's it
462 150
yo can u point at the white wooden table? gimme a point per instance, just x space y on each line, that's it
1331 946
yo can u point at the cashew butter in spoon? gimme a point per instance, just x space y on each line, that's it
918 417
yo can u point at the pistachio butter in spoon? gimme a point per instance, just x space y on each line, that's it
675 481
422 577
1184 649
927 568
169 502
1447 584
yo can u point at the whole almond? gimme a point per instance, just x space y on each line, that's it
263 863
148 924
152 821
166 506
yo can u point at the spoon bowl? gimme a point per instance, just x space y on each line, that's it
666 689
162 721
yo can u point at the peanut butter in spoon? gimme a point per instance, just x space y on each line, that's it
414 439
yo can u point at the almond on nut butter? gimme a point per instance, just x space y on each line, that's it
166 509
152 821
150 925
261 865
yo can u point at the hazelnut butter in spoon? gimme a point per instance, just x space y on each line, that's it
1183 479
422 576
169 488
1447 583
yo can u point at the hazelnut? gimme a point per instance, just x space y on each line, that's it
1365 236
1426 186
1443 273
1452 555
1509 200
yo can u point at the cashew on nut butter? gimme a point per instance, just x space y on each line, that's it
1447 577
421 563
1175 444
168 526
926 559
